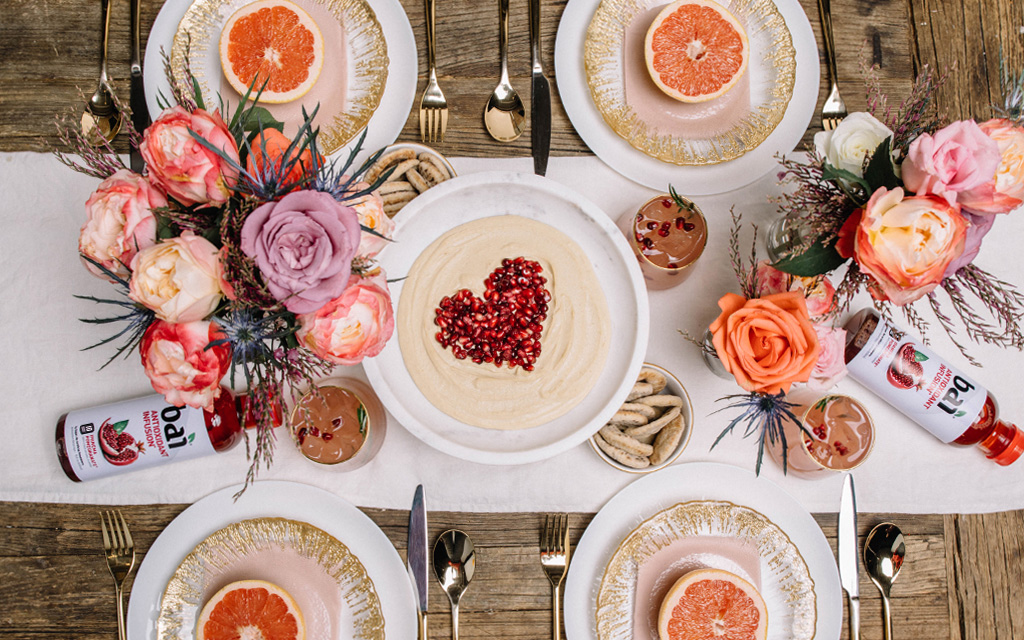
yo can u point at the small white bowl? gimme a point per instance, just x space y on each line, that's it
422 148
674 387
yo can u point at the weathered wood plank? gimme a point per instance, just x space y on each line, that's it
46 67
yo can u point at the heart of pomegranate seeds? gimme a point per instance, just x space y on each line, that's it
504 326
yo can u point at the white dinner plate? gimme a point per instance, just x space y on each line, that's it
652 494
392 112
270 499
646 170
482 195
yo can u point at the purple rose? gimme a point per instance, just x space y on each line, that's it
303 246
957 158
977 227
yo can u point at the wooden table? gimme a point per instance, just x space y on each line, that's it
964 576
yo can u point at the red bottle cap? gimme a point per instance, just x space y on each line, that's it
1013 450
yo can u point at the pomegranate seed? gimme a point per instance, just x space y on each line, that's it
652 225
666 202
689 226
672 265
327 437
680 221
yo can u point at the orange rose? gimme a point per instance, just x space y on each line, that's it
766 343
267 157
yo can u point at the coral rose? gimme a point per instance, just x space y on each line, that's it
904 244
267 158
354 326
831 365
766 343
1006 193
303 245
119 222
189 172
179 278
370 209
959 157
179 364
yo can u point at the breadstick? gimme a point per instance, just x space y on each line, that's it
667 441
653 427
618 439
655 378
628 459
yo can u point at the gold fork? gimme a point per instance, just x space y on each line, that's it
120 551
554 556
834 109
433 106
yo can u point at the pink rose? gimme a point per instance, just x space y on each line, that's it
303 245
977 228
819 293
179 364
354 326
189 172
957 158
831 365
370 209
904 244
179 278
119 222
1006 192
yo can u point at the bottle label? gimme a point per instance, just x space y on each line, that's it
104 441
912 378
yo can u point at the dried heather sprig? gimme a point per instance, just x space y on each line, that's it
915 115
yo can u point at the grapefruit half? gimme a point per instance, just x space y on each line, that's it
696 50
272 41
251 610
711 604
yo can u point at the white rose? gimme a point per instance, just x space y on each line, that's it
178 278
856 137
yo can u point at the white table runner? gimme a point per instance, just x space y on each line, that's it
45 373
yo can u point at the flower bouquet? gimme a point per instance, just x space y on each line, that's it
904 200
239 249
773 336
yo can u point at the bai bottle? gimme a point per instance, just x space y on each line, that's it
912 378
135 434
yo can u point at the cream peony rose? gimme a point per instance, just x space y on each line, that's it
354 326
1006 193
179 278
856 137
831 365
120 221
370 209
181 364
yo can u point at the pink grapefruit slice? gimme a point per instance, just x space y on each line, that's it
696 50
711 604
272 41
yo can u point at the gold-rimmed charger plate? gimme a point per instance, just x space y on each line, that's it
717 533
337 598
771 74
347 97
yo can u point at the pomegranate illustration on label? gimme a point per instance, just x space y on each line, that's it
505 325
119 448
905 370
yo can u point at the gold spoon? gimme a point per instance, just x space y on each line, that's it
884 550
101 120
504 115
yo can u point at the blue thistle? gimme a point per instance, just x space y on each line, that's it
252 337
136 317
763 413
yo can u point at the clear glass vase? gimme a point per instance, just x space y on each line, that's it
783 236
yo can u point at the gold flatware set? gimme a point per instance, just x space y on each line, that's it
119 549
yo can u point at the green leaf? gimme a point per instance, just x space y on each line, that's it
880 172
919 357
960 414
828 172
819 258
164 230
197 92
191 437
120 426
257 118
